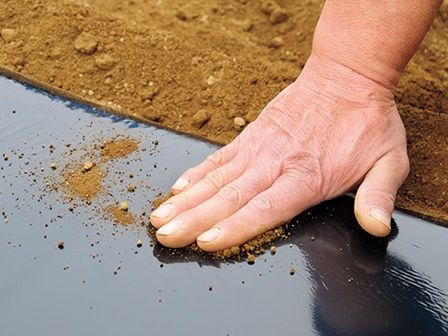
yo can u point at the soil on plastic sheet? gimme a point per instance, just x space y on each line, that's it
208 67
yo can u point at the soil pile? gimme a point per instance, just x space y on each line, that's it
85 180
208 67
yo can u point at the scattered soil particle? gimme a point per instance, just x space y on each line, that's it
273 249
157 202
227 253
120 216
292 270
132 187
250 259
53 166
115 149
255 246
84 184
61 244
139 243
235 250
123 206
88 165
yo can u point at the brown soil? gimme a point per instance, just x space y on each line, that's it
207 67
85 180
115 149
249 250
84 184
120 216
255 246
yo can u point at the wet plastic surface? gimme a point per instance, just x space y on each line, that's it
345 283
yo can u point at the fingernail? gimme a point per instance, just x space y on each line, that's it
164 211
210 235
181 184
171 228
381 216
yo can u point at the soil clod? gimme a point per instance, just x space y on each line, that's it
8 34
200 118
86 43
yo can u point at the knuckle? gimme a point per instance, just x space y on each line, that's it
216 159
265 205
215 179
189 172
232 195
383 198
406 166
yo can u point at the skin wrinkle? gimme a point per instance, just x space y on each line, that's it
336 126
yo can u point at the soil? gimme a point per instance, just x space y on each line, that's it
120 216
85 180
208 67
82 183
115 149
253 247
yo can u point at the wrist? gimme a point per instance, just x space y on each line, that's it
326 75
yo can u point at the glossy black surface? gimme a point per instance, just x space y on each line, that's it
346 283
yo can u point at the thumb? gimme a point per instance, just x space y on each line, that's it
375 198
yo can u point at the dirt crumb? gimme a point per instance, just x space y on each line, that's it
292 270
82 183
200 118
105 61
8 34
157 202
86 43
123 206
255 246
88 165
120 216
115 149
250 259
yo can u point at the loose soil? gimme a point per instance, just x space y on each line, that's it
82 183
115 149
85 180
208 67
255 246
120 216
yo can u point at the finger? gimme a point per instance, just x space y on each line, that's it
212 162
375 198
184 229
281 202
198 193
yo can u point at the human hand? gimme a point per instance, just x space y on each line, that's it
329 131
